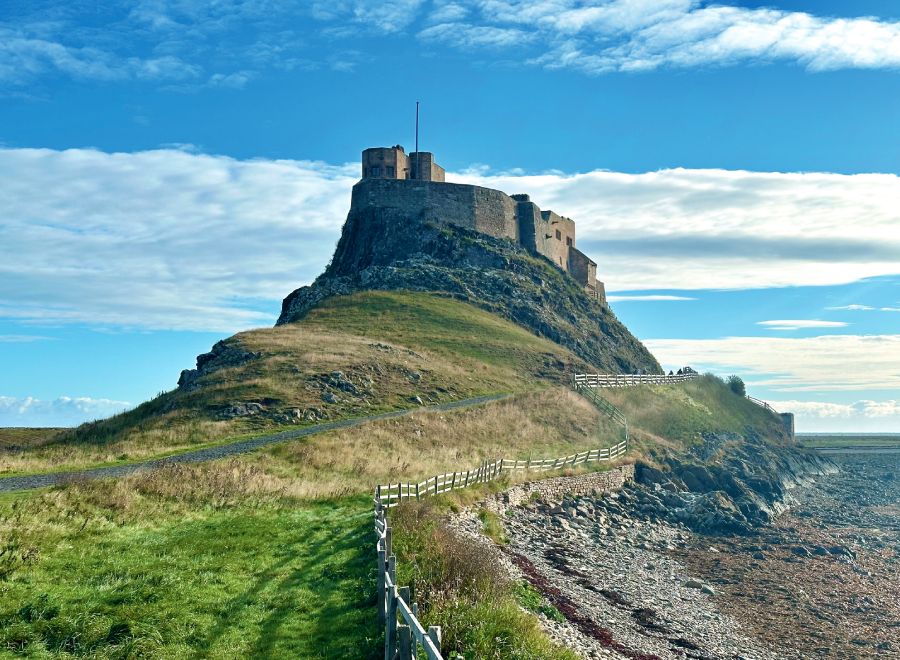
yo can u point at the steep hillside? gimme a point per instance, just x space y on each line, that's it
380 249
351 356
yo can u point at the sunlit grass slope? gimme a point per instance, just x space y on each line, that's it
392 346
675 417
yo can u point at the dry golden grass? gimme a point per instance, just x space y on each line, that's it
140 443
550 423
19 438
393 346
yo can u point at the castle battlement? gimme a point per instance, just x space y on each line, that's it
413 186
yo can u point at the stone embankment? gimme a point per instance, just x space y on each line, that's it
605 552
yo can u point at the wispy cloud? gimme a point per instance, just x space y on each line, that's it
648 298
640 35
863 308
826 363
826 409
63 411
691 229
800 324
178 239
161 239
194 45
22 339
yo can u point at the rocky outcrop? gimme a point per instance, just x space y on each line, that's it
729 485
381 250
222 355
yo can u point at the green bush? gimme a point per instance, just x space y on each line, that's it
737 385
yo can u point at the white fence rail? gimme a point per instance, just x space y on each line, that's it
404 634
629 380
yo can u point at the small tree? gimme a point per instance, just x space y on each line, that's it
737 385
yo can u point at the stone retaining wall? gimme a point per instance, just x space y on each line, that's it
553 490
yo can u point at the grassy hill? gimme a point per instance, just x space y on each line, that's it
389 347
269 554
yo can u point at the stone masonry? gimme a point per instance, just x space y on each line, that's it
413 186
553 490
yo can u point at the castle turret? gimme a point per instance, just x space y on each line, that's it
385 163
393 163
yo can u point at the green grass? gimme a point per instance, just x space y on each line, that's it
674 417
532 599
271 554
479 609
839 440
400 345
111 571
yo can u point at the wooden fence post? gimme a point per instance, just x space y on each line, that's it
388 541
434 632
390 625
381 588
406 649
404 643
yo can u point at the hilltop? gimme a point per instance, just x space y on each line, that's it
382 249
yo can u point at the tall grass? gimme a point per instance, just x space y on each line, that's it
406 345
463 589
550 423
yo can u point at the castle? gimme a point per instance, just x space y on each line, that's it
414 185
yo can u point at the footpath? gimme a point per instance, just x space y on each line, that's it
31 481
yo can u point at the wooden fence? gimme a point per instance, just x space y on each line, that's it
762 403
629 380
404 634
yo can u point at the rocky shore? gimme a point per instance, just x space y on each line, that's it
719 560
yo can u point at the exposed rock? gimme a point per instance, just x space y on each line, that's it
742 483
330 397
223 354
382 250
242 410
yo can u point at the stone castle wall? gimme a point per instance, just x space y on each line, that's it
485 210
482 209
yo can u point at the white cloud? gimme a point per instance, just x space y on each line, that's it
647 298
826 363
63 411
692 229
161 239
23 57
863 416
640 35
177 239
22 339
863 408
852 308
800 324
462 35
863 308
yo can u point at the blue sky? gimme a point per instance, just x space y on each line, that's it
170 169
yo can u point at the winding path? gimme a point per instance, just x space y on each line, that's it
26 482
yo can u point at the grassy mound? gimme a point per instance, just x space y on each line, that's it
667 418
389 347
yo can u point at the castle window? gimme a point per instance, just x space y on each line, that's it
390 172
558 235
375 171
568 240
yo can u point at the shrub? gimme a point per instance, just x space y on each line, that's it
737 385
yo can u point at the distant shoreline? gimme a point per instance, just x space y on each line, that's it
844 441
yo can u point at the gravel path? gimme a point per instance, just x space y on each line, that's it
27 482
